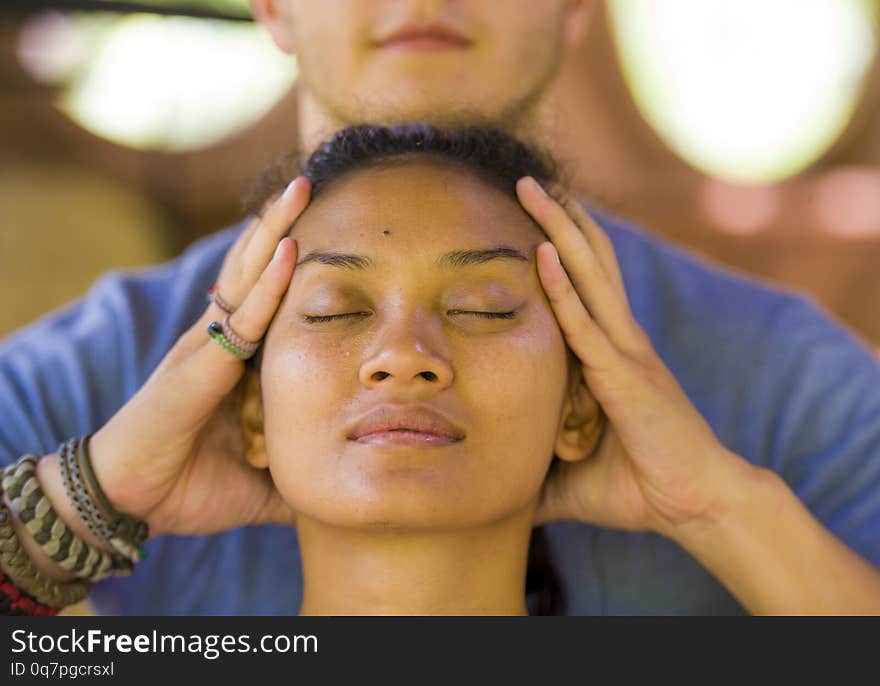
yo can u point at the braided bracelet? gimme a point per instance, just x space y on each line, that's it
42 521
20 570
48 529
70 477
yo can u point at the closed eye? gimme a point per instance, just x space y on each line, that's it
317 319
487 315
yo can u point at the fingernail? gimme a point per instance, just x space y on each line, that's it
556 252
538 186
290 186
278 249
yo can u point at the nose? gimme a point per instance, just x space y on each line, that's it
407 357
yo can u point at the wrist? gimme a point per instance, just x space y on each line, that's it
114 478
736 489
49 476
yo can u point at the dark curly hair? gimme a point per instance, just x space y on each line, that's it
496 158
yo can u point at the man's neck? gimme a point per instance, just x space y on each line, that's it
477 571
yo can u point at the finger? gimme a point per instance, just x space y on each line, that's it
582 334
607 307
246 266
252 318
275 224
230 266
260 216
251 252
241 244
596 237
238 248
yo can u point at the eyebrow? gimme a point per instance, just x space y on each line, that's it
451 260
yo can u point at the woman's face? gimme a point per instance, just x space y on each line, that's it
411 340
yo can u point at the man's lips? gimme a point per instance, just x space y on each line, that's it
424 38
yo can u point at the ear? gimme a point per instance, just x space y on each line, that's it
582 420
577 20
274 16
251 418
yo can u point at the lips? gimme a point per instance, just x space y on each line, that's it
420 422
428 35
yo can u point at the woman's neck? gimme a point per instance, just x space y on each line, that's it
478 571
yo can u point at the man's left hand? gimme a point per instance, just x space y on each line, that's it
658 465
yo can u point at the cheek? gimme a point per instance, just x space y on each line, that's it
307 376
517 389
305 391
527 362
314 35
540 35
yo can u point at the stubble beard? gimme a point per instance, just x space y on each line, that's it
520 114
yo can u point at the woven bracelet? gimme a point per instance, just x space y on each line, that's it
87 509
41 520
20 570
67 479
76 493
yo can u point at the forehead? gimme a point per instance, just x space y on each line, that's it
413 204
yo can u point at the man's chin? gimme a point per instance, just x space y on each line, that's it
438 109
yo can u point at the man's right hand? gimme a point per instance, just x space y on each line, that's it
173 455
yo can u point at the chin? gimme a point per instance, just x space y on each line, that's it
385 521
445 106
399 513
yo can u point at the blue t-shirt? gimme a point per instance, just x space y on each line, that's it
780 384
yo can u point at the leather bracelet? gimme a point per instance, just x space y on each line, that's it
122 532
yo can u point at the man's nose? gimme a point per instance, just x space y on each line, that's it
409 353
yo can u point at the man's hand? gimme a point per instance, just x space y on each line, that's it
658 465
173 455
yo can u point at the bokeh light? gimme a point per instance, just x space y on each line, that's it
160 83
753 90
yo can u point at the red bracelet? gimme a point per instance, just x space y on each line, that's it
14 602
